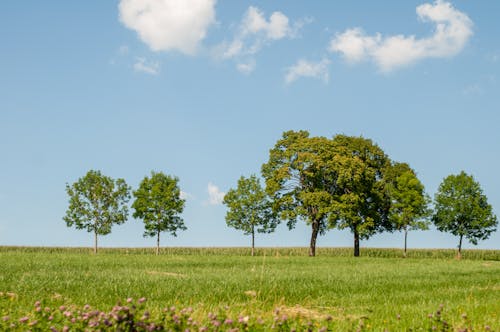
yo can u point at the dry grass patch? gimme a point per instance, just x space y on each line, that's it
332 313
166 274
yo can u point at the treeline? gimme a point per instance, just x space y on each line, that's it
344 182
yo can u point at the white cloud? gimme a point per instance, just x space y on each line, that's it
354 44
166 25
215 195
305 68
246 67
276 28
254 32
185 195
453 30
144 66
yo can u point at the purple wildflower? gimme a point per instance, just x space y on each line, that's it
23 319
141 300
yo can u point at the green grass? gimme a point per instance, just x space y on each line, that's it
374 289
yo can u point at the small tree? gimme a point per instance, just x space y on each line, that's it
96 202
158 203
462 209
409 202
249 208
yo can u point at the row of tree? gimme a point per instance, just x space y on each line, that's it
350 183
340 183
96 202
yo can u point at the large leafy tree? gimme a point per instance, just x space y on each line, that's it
159 204
249 208
96 202
409 208
461 208
361 202
299 181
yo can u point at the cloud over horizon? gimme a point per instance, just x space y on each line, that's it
453 29
215 195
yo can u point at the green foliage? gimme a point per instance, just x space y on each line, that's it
158 203
409 208
298 179
345 182
249 207
361 203
96 202
462 209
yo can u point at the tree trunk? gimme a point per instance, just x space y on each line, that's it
356 243
95 241
158 243
459 255
406 237
253 240
314 236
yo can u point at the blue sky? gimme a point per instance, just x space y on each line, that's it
202 89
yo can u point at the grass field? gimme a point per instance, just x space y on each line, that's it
384 292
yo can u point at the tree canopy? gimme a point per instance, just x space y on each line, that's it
159 204
361 203
96 202
298 179
249 208
461 208
409 208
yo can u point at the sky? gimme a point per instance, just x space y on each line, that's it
202 89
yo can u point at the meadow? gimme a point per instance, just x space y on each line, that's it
279 289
